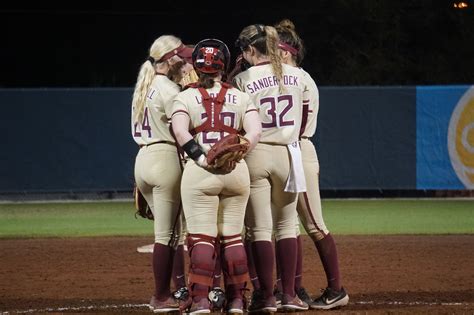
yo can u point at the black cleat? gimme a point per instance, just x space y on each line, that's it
303 295
293 304
259 304
330 299
278 295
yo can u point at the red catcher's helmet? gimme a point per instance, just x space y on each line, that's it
211 56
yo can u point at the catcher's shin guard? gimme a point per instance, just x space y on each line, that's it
201 265
234 266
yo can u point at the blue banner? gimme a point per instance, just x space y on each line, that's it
445 137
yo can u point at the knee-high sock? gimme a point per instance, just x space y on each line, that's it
299 263
162 261
264 260
251 265
328 254
216 282
278 271
286 249
179 279
178 276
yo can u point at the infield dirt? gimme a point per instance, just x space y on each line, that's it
382 275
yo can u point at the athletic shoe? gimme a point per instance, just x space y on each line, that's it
236 306
168 305
259 304
292 304
217 298
303 295
181 294
278 294
201 307
330 299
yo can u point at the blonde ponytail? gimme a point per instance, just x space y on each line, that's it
145 77
274 54
158 49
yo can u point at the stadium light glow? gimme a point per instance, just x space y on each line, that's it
460 5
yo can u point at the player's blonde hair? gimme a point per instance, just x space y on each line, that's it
266 44
158 49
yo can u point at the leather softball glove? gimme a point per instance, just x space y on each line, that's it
224 154
141 206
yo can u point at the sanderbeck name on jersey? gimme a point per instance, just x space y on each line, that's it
271 81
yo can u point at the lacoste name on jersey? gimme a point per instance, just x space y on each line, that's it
229 98
271 81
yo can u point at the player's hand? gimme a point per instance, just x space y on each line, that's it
202 162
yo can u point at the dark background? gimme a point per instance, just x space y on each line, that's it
95 53
348 42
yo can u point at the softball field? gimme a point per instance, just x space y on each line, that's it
65 266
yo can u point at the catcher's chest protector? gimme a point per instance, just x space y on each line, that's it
213 107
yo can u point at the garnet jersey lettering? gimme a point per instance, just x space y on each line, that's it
236 105
313 105
136 129
280 112
155 125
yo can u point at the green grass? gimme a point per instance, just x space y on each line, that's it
71 219
389 216
393 216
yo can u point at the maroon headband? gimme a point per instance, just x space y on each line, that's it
182 51
292 50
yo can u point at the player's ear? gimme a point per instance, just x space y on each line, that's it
285 55
252 50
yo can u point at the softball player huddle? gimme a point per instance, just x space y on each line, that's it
274 103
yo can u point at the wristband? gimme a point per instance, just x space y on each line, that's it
192 149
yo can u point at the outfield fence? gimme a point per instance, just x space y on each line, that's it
395 139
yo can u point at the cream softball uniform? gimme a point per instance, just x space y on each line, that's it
309 202
157 165
269 163
204 192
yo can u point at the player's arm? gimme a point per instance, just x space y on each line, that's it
253 127
252 123
180 122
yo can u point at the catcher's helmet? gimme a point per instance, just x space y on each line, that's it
210 56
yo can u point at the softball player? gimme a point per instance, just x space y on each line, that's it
309 202
213 203
275 164
157 165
